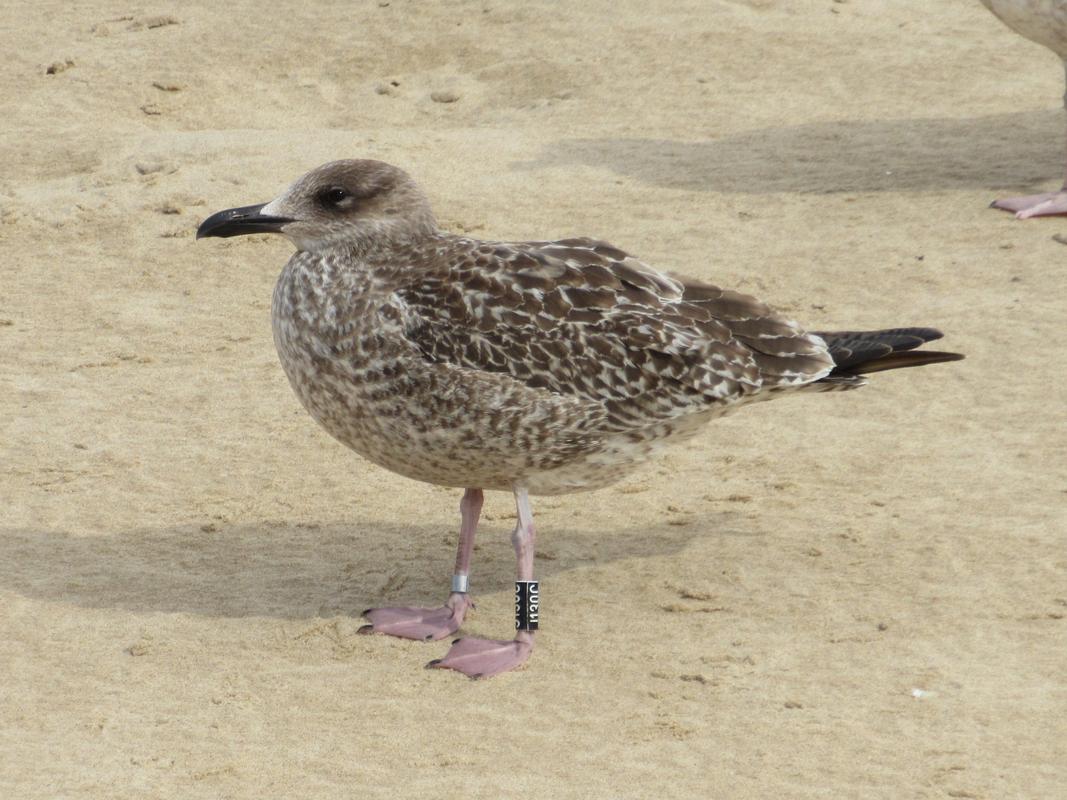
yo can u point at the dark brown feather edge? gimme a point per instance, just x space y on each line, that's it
903 360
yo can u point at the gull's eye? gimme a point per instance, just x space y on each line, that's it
334 197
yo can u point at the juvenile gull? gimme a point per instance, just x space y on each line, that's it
1044 22
530 367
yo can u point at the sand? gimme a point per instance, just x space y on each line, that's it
845 596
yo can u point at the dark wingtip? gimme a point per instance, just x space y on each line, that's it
910 358
926 334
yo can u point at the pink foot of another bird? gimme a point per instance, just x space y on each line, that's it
484 658
426 624
1035 205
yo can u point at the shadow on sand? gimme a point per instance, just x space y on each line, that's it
1018 151
294 571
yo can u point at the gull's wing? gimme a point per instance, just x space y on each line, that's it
580 317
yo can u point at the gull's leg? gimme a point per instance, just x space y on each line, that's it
1038 205
484 658
436 623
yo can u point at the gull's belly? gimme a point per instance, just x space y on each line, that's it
442 425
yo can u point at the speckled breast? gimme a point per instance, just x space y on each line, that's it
351 380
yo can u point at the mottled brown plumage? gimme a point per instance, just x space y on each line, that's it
537 367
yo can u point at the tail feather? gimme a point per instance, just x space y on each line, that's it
860 352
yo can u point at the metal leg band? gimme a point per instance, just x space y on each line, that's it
461 583
527 605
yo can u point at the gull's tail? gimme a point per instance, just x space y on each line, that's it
856 353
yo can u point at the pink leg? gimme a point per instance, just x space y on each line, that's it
484 658
1046 204
435 623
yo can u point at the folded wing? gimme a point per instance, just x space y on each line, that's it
580 317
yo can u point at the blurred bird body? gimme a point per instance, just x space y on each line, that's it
1044 22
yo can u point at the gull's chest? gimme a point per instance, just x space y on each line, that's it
350 365
338 350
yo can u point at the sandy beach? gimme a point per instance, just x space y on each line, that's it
855 595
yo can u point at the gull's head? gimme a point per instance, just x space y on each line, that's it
356 204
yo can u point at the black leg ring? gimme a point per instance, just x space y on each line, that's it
527 605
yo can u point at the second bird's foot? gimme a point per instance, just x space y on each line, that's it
1034 205
424 624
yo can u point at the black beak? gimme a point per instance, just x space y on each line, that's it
239 221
